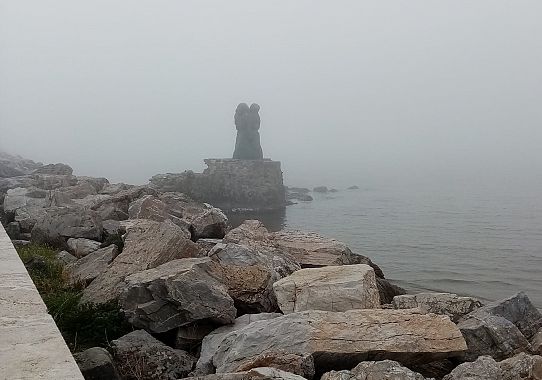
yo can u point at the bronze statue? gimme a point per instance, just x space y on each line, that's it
247 123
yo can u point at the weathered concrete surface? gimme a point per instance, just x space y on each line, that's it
31 346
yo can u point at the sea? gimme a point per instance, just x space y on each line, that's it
485 243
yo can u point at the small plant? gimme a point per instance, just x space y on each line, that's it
82 325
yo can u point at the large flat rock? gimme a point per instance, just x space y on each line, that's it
333 288
342 340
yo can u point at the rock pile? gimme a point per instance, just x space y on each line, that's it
211 303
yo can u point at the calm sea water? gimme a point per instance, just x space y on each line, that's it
484 244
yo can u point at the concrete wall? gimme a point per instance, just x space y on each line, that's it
31 346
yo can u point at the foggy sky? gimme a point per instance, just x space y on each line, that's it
350 91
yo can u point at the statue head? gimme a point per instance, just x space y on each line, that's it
241 109
254 107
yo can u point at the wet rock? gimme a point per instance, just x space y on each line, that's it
212 341
96 364
81 247
522 367
61 223
375 370
341 340
175 294
147 244
334 288
139 355
353 187
448 304
91 266
484 368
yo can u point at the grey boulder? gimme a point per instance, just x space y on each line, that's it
96 364
375 370
81 247
448 304
139 355
176 294
483 368
91 266
261 373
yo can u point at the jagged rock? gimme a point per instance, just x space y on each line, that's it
309 249
339 340
249 274
175 294
11 166
502 328
139 355
522 367
301 364
212 341
81 247
380 370
353 187
66 257
206 245
147 244
96 364
484 368
448 304
115 206
62 223
55 169
203 220
115 188
536 342
264 373
320 189
91 266
334 288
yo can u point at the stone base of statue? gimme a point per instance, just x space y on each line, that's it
231 184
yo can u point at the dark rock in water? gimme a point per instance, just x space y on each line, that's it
247 123
353 187
502 328
55 169
387 290
299 194
302 190
96 364
320 189
140 353
333 190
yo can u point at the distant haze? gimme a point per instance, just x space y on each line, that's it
351 92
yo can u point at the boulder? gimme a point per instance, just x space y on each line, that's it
139 355
249 274
115 206
301 364
501 329
309 249
484 368
212 342
203 220
55 169
387 290
320 189
263 373
448 304
522 367
147 245
61 223
65 257
176 294
339 340
375 370
81 247
91 266
536 342
334 288
96 364
189 337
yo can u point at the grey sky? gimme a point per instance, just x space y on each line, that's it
349 90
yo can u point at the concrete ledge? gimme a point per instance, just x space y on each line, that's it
31 346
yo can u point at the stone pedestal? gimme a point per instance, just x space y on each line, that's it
230 184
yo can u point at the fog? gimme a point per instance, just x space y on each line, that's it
351 92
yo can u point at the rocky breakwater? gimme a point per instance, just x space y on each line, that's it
210 303
230 184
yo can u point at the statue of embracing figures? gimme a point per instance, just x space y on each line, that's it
247 122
